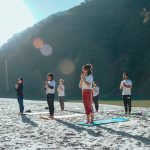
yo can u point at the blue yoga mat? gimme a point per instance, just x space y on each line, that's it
106 121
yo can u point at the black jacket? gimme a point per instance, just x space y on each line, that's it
20 90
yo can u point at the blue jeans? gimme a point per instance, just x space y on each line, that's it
20 101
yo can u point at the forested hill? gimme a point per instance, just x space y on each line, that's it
113 35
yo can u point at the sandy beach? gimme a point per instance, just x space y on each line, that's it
29 132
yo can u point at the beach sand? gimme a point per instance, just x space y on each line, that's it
29 132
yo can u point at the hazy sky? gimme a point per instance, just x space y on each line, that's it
17 15
43 8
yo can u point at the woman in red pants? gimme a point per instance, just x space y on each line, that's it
86 80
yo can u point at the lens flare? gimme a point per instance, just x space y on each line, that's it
38 43
67 67
46 50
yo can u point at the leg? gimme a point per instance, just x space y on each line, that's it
96 103
21 106
85 105
48 102
52 96
89 99
129 103
61 100
92 117
125 103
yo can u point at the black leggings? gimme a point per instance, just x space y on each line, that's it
95 100
127 103
50 102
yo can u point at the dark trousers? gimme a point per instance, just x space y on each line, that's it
127 103
20 101
50 102
95 100
61 101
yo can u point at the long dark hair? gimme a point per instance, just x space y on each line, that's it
88 67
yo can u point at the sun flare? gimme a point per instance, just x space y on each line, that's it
15 17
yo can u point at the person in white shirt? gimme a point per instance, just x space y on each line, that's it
61 93
126 86
86 80
95 95
50 91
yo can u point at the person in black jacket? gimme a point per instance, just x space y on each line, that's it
19 89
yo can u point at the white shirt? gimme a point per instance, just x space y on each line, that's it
125 90
61 90
49 90
88 79
95 91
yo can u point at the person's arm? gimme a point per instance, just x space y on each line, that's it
50 86
61 87
88 81
19 88
128 85
121 86
16 86
81 80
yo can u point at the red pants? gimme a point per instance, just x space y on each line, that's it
87 97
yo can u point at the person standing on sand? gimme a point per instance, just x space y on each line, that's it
61 93
19 89
86 80
50 92
95 95
126 86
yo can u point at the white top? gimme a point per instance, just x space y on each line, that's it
125 90
49 90
61 90
95 91
88 79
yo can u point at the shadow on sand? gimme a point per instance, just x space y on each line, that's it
79 129
124 134
98 133
74 111
25 119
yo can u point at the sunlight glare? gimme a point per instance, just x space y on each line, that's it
15 17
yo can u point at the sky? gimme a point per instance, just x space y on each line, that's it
43 8
17 15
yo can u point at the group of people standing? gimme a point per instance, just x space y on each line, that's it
49 87
90 92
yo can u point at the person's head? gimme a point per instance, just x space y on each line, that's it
87 69
125 76
94 83
20 80
50 77
61 81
